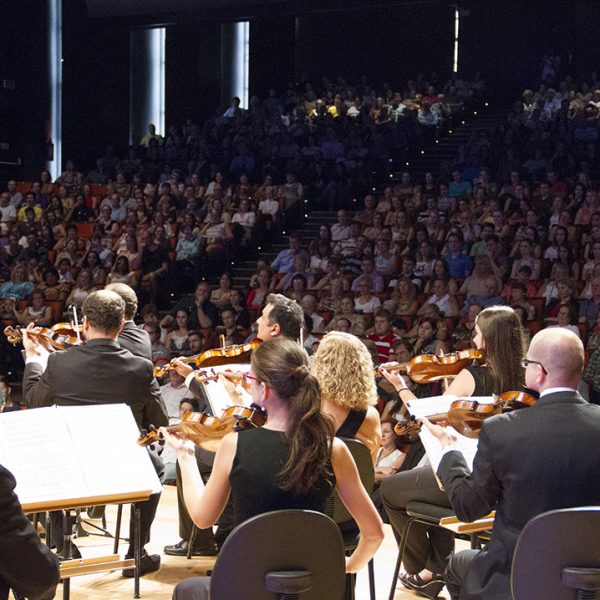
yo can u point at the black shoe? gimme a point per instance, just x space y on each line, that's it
149 563
181 549
429 589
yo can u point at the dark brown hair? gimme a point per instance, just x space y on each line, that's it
104 310
282 364
504 339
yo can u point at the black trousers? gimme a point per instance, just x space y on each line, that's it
426 547
456 571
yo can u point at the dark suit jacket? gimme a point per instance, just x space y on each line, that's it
99 372
136 340
529 461
26 565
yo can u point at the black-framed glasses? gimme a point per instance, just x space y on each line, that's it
526 362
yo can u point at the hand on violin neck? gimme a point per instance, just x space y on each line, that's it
183 448
31 343
181 368
394 378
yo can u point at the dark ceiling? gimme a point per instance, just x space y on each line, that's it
154 12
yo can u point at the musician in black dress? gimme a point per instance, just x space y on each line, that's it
499 334
270 468
280 317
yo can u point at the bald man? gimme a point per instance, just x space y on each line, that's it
527 462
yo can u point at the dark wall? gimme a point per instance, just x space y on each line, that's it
24 110
95 85
193 71
386 44
272 51
506 40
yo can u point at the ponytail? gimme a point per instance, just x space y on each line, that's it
282 365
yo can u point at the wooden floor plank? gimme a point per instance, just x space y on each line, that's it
159 585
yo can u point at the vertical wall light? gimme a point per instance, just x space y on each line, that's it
55 75
456 31
156 87
241 61
146 82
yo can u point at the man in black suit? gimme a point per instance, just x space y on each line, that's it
131 337
99 372
26 565
528 461
280 317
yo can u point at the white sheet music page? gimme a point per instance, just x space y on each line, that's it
35 447
436 405
105 436
217 394
60 453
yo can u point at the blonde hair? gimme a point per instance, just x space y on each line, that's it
344 369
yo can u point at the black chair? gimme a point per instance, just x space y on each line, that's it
338 512
290 553
557 556
426 514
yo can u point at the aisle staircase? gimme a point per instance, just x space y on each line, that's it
442 149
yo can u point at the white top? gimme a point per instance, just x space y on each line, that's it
389 460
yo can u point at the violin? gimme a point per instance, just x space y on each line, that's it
467 416
205 430
57 337
426 368
239 353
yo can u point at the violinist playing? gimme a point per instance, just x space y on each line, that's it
280 317
499 334
290 462
112 375
527 462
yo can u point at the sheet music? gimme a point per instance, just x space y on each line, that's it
425 407
433 448
110 456
59 453
217 394
32 448
436 405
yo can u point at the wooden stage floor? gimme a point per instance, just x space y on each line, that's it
159 585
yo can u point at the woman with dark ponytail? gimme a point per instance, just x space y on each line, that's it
293 461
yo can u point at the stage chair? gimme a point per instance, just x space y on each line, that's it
557 556
338 512
434 516
295 554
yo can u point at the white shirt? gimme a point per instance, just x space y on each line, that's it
268 207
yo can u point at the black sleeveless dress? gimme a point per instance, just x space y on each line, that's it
261 454
351 424
484 385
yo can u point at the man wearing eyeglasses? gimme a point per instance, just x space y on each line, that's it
528 461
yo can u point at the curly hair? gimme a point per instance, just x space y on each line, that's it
344 368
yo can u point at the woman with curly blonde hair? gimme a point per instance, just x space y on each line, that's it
344 369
